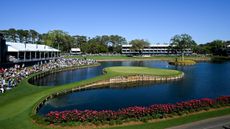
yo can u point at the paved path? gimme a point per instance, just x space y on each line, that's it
212 123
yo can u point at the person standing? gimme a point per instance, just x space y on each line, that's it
3 82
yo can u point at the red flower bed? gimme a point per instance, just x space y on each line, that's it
154 111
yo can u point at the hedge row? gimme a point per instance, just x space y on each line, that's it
137 113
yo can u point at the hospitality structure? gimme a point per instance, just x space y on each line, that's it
75 51
25 52
157 49
19 52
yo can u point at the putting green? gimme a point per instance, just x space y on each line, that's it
143 71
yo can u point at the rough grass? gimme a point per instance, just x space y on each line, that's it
16 106
182 62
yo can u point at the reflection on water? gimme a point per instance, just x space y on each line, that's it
201 80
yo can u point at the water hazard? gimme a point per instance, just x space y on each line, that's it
201 80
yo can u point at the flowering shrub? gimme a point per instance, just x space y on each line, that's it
154 111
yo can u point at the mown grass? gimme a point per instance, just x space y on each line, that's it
177 121
182 62
17 105
143 70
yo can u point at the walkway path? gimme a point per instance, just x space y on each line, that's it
212 123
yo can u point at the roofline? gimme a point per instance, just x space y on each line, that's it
49 49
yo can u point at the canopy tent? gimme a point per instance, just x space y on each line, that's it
21 47
23 52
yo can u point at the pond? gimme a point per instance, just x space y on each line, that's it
202 80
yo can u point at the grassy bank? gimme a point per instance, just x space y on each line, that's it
126 58
17 105
220 58
162 124
182 62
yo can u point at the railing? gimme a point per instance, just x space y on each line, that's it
31 60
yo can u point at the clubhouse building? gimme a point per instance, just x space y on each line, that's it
157 49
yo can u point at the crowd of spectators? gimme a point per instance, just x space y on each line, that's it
10 77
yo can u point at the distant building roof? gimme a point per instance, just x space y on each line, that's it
75 49
21 47
154 45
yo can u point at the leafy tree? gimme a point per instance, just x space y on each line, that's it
117 42
21 34
34 35
97 45
216 47
102 44
81 42
59 39
12 35
26 36
6 35
182 42
139 45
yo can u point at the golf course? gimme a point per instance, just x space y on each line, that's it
18 106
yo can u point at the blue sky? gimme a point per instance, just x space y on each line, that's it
152 20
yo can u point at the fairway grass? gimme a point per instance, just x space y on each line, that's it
166 123
17 105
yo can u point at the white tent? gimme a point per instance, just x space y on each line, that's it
21 52
21 47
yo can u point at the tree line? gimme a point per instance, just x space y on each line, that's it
107 43
20 35
64 42
216 47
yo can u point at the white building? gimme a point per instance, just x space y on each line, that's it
157 49
22 52
75 51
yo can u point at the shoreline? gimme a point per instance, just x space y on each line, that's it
152 121
139 58
46 73
112 80
114 60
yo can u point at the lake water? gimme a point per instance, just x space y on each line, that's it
201 80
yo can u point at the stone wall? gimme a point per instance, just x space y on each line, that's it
132 78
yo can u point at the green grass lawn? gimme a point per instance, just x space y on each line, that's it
182 62
143 70
177 121
123 57
16 105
